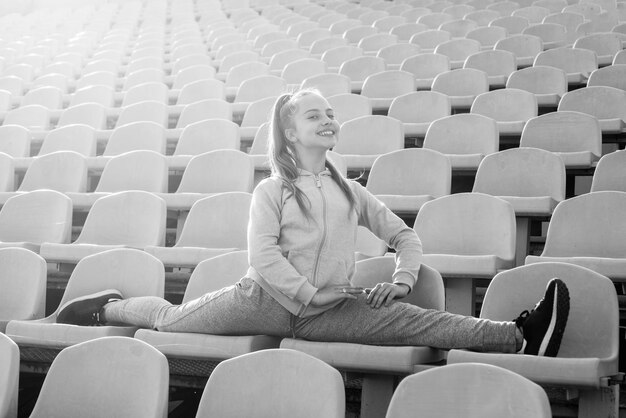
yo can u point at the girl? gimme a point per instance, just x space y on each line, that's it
301 238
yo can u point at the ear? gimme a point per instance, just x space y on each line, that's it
290 134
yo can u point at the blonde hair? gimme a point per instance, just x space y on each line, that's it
283 156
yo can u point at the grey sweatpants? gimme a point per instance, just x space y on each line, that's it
246 309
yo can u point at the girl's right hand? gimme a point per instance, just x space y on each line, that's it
332 294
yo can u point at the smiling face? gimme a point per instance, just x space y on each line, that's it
313 125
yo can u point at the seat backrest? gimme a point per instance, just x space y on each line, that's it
258 112
218 221
563 131
63 171
458 49
9 378
135 170
611 76
275 382
134 218
388 84
468 390
592 325
280 59
218 171
412 171
428 291
16 140
208 135
329 84
90 114
297 71
523 172
7 173
38 216
370 135
193 73
461 82
606 43
131 378
505 105
241 72
260 87
467 224
204 109
610 173
426 65
147 111
23 280
570 60
429 39
534 14
98 93
216 273
420 107
600 101
35 117
463 133
135 136
435 19
521 45
348 106
77 138
359 68
201 90
47 96
151 90
589 225
396 53
539 79
493 62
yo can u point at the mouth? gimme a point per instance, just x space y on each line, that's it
326 132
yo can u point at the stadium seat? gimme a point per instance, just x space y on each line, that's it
204 136
435 20
620 58
201 90
279 60
576 137
32 117
605 45
63 171
505 8
383 87
100 94
405 31
9 380
510 108
128 219
610 173
587 359
548 84
552 35
364 138
277 382
211 274
203 110
466 138
609 76
458 50
215 225
577 63
24 287
7 173
607 104
257 88
212 172
418 109
425 67
358 32
12 84
130 378
46 96
90 114
150 90
132 272
587 230
296 72
534 13
462 86
405 179
350 106
147 111
459 27
466 236
488 36
428 40
482 16
329 84
78 138
135 136
469 390
359 68
570 20
380 365
394 55
498 64
525 47
193 73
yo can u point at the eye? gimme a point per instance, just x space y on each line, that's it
331 116
313 117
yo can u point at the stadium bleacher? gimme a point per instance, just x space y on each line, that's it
132 134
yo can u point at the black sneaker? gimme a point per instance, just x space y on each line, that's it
543 326
85 310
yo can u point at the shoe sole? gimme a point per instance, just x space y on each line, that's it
89 296
560 311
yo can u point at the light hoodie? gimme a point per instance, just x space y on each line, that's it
292 256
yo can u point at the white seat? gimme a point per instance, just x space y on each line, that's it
9 379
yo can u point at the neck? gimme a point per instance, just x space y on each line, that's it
312 162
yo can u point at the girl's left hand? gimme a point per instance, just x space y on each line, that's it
385 293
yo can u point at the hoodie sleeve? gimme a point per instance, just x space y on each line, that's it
264 252
386 225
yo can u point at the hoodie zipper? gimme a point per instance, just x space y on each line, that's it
318 184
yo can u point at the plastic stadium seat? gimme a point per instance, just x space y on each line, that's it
133 218
260 87
482 16
190 61
152 90
534 14
429 39
329 84
131 378
610 173
47 96
609 76
296 72
63 171
382 88
278 45
588 355
469 390
12 84
554 6
525 48
97 78
133 170
100 94
552 35
405 179
9 380
27 220
32 117
605 45
588 230
350 106
305 39
607 104
435 19
395 54
356 33
465 138
498 64
416 110
387 23
148 111
16 140
203 110
620 58
7 173
548 84
365 138
405 31
458 50
244 71
462 86
279 60
425 67
215 225
577 63
283 381
257 113
336 56
204 136
193 73
218 171
23 278
373 43
488 36
576 137
510 108
201 90
380 365
504 7
91 114
359 68
459 27
209 275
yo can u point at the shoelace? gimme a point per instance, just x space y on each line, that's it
521 319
